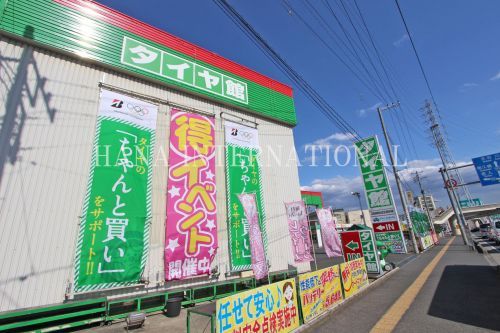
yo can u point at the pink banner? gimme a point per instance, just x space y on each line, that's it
434 237
259 263
298 226
331 239
191 230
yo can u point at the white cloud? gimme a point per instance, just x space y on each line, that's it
496 77
401 40
335 137
467 86
362 112
337 190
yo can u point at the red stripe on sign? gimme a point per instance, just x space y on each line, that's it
115 18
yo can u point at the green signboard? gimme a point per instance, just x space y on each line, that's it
91 32
379 194
166 64
243 175
471 203
114 231
369 252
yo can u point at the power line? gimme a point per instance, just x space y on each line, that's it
305 87
418 57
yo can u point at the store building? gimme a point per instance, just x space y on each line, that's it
66 66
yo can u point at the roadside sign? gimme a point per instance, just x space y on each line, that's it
351 245
386 226
488 169
384 218
378 191
451 183
360 243
471 203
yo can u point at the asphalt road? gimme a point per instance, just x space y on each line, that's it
461 294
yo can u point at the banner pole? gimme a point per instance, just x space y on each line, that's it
310 238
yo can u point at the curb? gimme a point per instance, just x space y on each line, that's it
308 327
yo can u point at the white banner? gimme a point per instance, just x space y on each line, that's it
241 135
129 109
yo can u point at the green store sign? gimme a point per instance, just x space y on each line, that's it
168 65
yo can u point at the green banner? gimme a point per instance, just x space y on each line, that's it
420 222
243 175
114 231
378 193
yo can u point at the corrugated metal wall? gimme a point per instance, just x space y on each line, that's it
48 108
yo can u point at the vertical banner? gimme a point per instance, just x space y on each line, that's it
331 239
379 195
259 262
191 228
354 276
319 291
298 226
113 239
243 175
270 308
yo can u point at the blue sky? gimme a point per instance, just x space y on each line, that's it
458 45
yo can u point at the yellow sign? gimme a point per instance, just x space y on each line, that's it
354 276
426 241
270 308
319 291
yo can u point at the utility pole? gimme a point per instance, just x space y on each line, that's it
360 206
458 214
417 179
396 175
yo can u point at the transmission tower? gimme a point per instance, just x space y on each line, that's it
441 145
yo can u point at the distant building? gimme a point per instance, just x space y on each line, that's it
429 199
340 215
356 217
312 200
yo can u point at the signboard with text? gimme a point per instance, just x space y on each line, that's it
270 308
354 276
360 243
113 239
191 225
243 175
180 69
319 291
488 169
378 192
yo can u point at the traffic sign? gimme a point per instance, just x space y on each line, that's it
386 226
451 183
471 203
488 169
360 243
351 245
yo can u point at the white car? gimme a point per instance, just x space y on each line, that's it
495 231
484 230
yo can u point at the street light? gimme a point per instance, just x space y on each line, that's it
360 206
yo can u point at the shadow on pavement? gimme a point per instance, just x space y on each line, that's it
469 295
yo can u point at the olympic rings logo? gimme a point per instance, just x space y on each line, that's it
138 109
239 132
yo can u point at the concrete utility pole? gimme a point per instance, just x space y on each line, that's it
360 206
396 175
417 179
454 203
